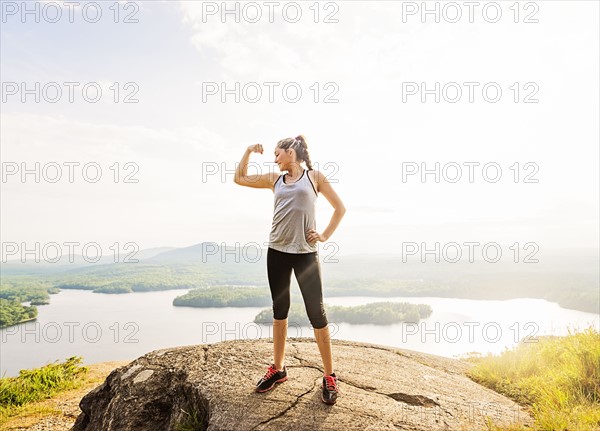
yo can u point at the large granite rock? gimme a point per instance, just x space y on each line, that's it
211 387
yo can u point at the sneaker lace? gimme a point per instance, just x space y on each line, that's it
330 383
270 372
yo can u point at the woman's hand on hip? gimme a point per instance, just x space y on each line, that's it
313 236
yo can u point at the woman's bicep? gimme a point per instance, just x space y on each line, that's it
264 181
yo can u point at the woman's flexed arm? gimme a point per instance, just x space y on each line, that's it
243 166
264 181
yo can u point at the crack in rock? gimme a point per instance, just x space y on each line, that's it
447 412
205 355
287 409
413 400
303 362
358 386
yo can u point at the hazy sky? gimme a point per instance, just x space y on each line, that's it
183 149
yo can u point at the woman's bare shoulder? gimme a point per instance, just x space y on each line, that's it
274 178
316 177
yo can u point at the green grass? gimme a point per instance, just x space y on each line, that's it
558 377
37 384
194 420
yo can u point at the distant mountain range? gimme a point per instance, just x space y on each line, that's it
572 261
569 277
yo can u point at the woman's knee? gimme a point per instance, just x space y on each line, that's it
280 311
319 323
318 318
280 315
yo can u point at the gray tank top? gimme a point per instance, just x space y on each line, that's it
293 215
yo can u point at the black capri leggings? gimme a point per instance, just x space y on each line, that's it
307 270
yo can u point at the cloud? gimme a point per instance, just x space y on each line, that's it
265 50
32 136
168 163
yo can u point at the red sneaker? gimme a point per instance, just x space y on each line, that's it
330 389
271 377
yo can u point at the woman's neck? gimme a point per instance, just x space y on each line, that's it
295 172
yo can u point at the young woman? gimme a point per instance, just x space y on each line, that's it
293 246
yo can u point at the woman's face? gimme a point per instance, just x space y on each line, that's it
283 158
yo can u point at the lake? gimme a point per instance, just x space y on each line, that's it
103 327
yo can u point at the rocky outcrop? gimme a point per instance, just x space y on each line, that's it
211 387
